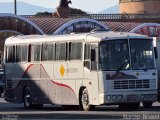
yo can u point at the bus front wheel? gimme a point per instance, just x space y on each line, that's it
84 101
27 98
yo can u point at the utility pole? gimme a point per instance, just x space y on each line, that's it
15 7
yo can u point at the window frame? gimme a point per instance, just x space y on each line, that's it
88 58
70 51
21 45
65 50
7 56
31 52
53 51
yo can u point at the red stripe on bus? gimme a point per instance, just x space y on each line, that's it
63 85
59 84
27 70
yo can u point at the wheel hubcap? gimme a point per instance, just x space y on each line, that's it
27 99
85 99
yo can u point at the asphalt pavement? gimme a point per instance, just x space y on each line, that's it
10 111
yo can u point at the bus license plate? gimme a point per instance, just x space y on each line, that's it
131 98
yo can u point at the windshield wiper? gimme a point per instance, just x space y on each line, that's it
124 63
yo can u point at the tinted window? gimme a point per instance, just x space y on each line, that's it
75 51
87 52
35 52
10 54
87 55
142 55
114 55
21 53
47 52
61 51
94 56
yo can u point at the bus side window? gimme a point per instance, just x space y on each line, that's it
94 56
75 50
21 53
48 52
87 56
29 53
10 54
61 51
35 53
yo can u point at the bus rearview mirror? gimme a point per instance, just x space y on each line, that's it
155 52
93 54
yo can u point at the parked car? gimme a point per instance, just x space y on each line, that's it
2 83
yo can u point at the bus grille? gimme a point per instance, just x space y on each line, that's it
131 84
9 91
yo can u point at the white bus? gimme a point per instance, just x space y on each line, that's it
98 68
157 45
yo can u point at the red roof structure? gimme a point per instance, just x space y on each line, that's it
49 25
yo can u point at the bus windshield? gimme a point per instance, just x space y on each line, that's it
142 56
116 55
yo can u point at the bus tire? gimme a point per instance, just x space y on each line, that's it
27 98
147 104
84 101
1 91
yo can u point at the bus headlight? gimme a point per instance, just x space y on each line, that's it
154 96
149 96
108 97
120 97
114 97
142 96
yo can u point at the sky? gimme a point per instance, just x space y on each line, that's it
86 5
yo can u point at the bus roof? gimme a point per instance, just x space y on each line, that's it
90 37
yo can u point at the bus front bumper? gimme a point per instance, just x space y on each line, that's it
128 97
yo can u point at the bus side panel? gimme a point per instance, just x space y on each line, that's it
87 82
54 85
45 73
95 88
50 85
23 76
18 83
31 78
9 73
158 66
74 74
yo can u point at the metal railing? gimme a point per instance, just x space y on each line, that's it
110 17
39 16
118 16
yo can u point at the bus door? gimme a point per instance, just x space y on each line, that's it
90 71
94 72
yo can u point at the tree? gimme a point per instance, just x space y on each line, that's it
77 11
73 11
43 14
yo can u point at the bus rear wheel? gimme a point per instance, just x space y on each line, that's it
27 98
84 101
147 104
